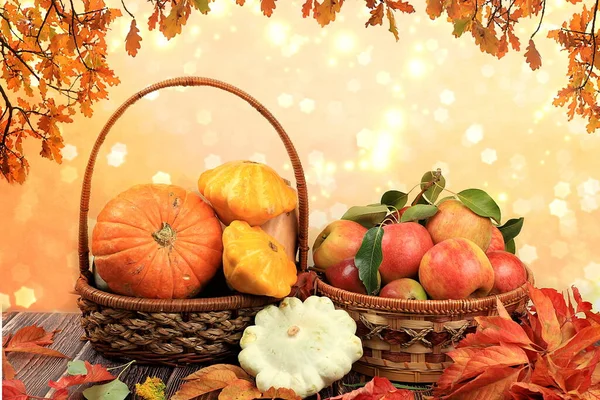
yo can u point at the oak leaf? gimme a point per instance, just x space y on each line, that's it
376 16
533 56
326 11
133 39
400 6
267 7
240 389
307 8
434 8
392 20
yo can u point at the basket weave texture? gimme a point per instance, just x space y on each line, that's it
407 340
177 331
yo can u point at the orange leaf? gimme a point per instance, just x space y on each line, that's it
306 8
490 385
581 341
95 373
35 349
494 356
240 389
326 11
502 313
485 38
153 20
377 389
526 391
213 378
550 328
240 2
280 393
7 368
31 335
13 389
212 369
376 16
434 8
533 56
133 39
453 372
267 7
400 6
495 330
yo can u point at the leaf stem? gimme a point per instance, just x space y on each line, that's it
437 175
124 366
541 18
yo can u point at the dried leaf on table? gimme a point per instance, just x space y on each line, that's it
8 371
94 373
13 389
240 389
376 389
238 371
280 393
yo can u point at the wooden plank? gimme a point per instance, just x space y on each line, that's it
36 370
7 317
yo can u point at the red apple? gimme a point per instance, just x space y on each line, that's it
455 220
456 269
402 247
509 271
404 288
497 242
344 275
339 240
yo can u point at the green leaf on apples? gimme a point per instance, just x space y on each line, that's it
419 212
368 259
394 198
431 194
480 203
367 216
511 228
510 246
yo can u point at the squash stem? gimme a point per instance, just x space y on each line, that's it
165 236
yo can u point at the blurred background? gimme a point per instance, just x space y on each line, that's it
366 114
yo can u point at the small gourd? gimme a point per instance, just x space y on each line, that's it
300 346
246 191
256 263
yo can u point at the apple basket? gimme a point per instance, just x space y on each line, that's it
173 331
407 340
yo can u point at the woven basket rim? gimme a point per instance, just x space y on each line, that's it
234 302
435 307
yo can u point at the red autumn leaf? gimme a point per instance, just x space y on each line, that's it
527 391
95 373
453 373
239 389
543 373
31 335
582 340
400 6
280 393
377 389
376 16
305 285
133 39
501 310
495 330
13 389
549 325
491 384
30 339
494 356
533 56
307 8
267 7
593 393
8 370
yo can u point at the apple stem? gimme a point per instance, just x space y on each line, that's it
434 180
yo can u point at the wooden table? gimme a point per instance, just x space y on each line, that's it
35 371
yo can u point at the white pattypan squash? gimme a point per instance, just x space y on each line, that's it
300 346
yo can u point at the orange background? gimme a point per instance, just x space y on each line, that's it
365 113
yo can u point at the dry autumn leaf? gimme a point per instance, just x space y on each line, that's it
13 389
209 379
238 371
544 362
8 371
267 7
280 393
240 389
533 56
95 373
377 389
133 39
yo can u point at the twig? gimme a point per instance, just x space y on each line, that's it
542 19
437 175
125 8
594 49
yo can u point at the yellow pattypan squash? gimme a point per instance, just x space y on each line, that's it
256 263
246 191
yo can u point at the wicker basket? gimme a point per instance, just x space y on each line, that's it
407 340
178 331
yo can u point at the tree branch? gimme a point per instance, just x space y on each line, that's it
125 8
541 19
594 49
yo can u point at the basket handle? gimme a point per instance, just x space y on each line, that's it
84 266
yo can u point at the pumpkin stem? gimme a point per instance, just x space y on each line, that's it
293 330
273 246
165 236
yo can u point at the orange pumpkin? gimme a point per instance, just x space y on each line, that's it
157 241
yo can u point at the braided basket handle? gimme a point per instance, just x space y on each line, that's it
84 266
